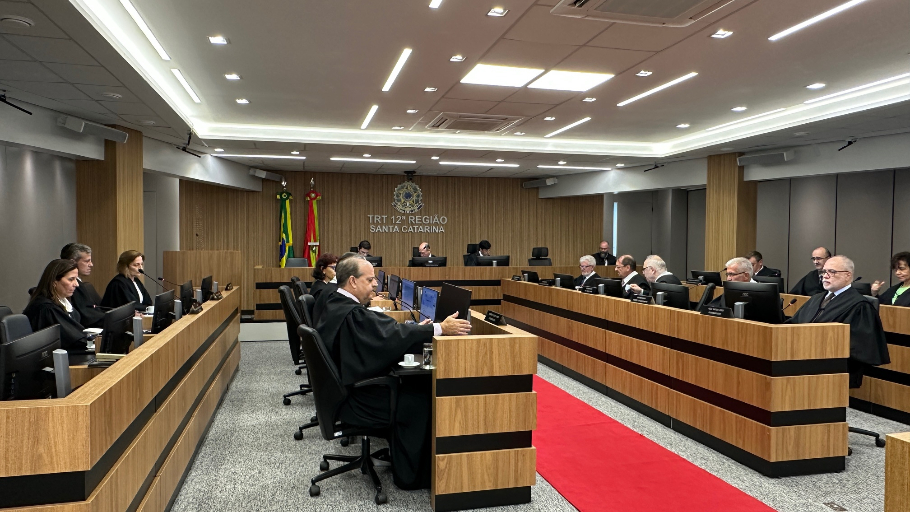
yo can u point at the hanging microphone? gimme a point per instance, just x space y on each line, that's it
150 277
792 302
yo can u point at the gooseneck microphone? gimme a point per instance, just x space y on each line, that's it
792 302
857 279
150 277
168 282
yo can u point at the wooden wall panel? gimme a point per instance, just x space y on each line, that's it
496 209
224 267
897 473
731 210
485 414
479 471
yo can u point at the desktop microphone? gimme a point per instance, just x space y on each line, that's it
150 277
410 309
168 282
857 279
792 302
701 279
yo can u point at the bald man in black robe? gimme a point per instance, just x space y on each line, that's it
365 344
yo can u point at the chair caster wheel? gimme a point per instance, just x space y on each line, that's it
381 498
313 419
345 441
314 490
297 371
298 435
324 465
287 401
849 451
880 442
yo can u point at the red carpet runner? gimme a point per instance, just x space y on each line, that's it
598 464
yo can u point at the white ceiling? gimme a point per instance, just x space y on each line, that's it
311 71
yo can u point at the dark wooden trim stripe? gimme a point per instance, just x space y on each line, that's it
461 282
743 361
483 442
888 375
880 410
271 306
274 285
50 488
481 499
486 302
485 385
895 338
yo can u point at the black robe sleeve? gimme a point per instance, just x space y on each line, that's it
82 302
317 289
121 291
43 313
372 343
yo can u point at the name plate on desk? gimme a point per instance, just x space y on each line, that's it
494 318
593 290
547 282
640 299
720 312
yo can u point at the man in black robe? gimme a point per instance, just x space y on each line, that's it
842 303
604 257
365 344
738 270
483 250
811 283
586 264
758 266
85 299
323 298
655 271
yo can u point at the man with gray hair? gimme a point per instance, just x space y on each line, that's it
738 270
85 299
586 264
844 304
366 344
655 271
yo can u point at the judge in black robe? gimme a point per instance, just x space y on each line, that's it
887 296
121 290
810 284
581 280
639 280
317 288
604 257
47 305
87 302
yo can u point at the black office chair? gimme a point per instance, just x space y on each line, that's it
5 311
330 394
299 288
292 319
865 289
296 262
539 257
472 249
295 279
31 290
772 279
305 303
13 327
856 380
415 253
354 249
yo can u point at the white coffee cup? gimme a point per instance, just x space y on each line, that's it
150 310
409 359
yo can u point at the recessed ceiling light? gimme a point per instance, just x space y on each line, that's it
112 95
657 89
722 34
286 157
219 150
398 127
567 127
243 101
412 111
739 109
367 155
683 125
817 85
816 19
397 69
146 122
295 152
429 89
620 165
186 86
434 4
859 88
500 160
218 40
519 133
590 100
574 167
434 158
456 58
371 160
561 162
145 29
569 81
644 73
16 21
478 164
549 118
800 134
497 11
506 76
369 117
232 76
746 119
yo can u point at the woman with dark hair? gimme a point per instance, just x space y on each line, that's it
50 304
323 272
896 295
126 287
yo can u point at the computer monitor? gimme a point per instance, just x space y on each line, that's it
376 261
296 263
164 311
709 277
428 304
116 335
206 288
677 295
613 287
531 276
451 299
22 364
779 281
187 296
407 294
565 281
394 285
763 300
380 281
433 261
487 261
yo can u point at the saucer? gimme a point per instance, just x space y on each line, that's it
409 365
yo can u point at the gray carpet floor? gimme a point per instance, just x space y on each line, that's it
250 461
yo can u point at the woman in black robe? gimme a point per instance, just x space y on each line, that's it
896 295
50 304
126 286
323 272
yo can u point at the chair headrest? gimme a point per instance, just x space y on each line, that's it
13 327
540 252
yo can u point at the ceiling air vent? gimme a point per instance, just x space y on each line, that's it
664 13
472 122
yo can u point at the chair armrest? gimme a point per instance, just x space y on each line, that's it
377 381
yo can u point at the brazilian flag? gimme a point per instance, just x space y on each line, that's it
286 238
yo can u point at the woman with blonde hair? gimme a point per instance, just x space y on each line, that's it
126 286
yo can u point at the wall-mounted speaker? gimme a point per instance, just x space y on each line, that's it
777 157
90 128
539 183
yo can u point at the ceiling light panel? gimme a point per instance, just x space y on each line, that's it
567 127
286 157
505 76
644 73
371 160
739 109
569 81
218 40
242 101
232 76
434 4
477 164
722 34
589 100
186 86
815 19
859 88
574 167
397 69
456 58
498 12
369 117
145 29
429 89
683 125
816 86
549 118
659 88
746 119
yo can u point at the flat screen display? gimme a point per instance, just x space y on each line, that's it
428 304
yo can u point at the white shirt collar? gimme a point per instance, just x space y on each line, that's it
66 305
348 295
664 274
626 279
842 290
